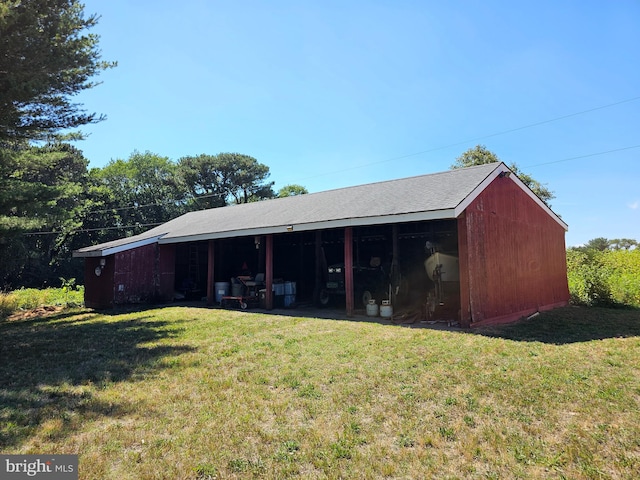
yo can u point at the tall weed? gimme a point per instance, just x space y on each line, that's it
604 278
8 305
30 298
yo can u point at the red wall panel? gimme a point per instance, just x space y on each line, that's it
514 256
135 278
140 275
98 290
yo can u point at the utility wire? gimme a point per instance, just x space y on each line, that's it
504 132
156 204
156 224
96 229
583 156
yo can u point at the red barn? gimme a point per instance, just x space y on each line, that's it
473 245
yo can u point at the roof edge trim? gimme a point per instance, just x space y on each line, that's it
305 227
104 252
491 177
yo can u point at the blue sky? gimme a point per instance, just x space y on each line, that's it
330 94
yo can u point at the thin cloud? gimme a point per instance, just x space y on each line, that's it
635 205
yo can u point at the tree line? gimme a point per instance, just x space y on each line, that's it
52 203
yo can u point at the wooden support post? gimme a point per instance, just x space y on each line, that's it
348 269
395 263
211 292
465 284
319 273
268 274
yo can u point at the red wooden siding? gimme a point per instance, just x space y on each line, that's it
135 277
141 275
512 257
98 290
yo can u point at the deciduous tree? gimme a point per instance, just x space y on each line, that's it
601 244
292 190
140 192
217 180
480 155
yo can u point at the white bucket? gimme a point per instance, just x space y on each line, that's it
372 309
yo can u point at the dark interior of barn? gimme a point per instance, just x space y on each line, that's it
389 264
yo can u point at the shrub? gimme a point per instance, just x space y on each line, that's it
604 278
624 282
587 278
8 305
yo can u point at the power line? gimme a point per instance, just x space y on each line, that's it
584 156
156 224
484 137
83 230
156 204
504 132
456 144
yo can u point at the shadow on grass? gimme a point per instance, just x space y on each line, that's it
49 366
570 325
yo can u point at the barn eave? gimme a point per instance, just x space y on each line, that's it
107 249
313 226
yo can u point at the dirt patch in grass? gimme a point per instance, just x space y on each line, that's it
40 312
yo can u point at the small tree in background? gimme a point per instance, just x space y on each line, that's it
225 178
142 191
623 244
480 155
292 191
587 277
600 244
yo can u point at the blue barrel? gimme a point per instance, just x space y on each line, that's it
222 290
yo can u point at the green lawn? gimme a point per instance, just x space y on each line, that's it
194 393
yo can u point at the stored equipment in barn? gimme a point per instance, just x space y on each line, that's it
245 292
444 271
370 282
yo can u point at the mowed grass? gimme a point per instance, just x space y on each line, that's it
195 393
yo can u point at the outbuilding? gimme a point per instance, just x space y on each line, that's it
472 245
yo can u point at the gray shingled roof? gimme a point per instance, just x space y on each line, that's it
424 197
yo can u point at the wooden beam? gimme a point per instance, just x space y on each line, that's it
395 264
463 259
211 292
348 269
319 266
268 274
